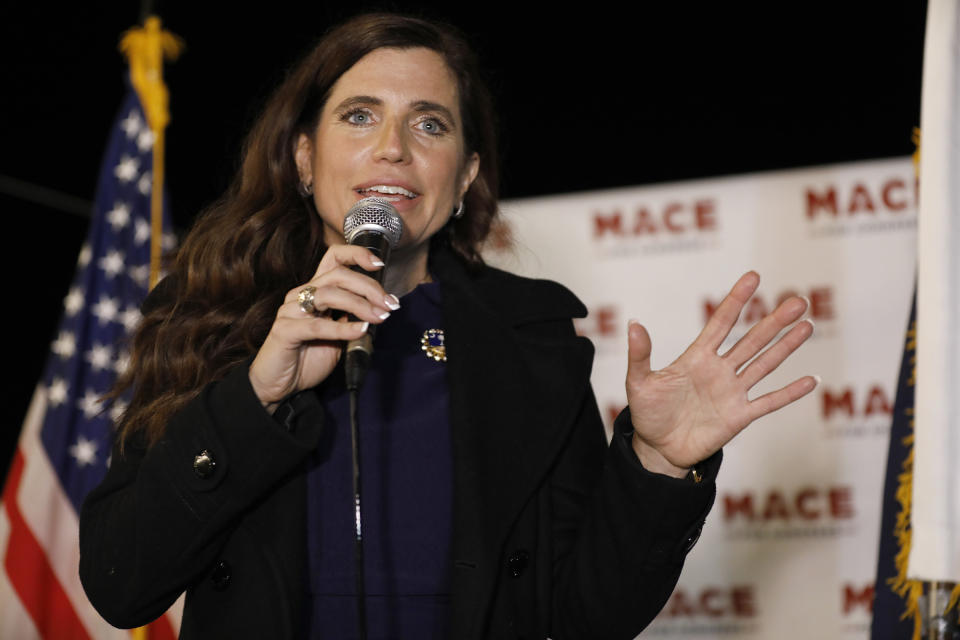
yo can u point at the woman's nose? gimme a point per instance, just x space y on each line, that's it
392 144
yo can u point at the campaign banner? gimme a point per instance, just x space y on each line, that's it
790 547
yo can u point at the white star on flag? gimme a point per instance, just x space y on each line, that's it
90 404
121 364
57 392
65 345
129 318
141 230
74 301
85 451
127 169
84 258
131 124
145 183
116 411
140 274
112 263
105 310
145 139
99 356
119 216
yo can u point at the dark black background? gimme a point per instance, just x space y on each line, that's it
589 97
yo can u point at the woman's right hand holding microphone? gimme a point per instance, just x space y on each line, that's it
303 348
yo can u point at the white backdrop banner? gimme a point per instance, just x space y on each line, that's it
790 548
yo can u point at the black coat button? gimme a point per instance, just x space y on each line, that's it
221 576
693 537
517 563
204 464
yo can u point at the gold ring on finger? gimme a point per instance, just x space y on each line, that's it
305 299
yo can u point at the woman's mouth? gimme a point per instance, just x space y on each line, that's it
392 193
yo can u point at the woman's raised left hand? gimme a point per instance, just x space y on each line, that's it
686 412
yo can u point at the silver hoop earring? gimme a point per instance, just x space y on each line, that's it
306 190
458 212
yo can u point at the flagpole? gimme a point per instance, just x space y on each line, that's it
941 621
146 48
147 8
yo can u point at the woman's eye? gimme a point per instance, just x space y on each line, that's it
433 126
357 117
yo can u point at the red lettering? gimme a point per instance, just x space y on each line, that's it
707 596
732 506
742 600
776 507
841 503
668 213
643 223
600 322
821 303
704 212
611 223
808 503
606 321
887 194
877 402
893 195
713 602
803 497
832 402
754 311
860 200
675 217
853 598
709 307
680 605
826 202
785 296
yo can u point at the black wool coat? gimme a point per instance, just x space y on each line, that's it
556 534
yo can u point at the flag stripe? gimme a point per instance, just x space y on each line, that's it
15 622
49 515
161 629
31 574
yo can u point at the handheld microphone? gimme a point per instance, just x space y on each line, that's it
372 223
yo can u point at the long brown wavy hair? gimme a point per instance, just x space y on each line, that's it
261 238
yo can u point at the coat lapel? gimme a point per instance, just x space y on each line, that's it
514 393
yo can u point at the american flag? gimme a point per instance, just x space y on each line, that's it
64 446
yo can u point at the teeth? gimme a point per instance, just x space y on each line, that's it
391 190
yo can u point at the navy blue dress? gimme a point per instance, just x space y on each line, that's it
407 492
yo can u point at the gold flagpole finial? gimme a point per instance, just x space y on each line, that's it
146 48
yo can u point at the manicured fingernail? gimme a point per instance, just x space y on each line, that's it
392 302
813 325
818 380
377 263
807 300
384 315
365 326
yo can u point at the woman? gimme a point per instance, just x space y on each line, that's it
498 509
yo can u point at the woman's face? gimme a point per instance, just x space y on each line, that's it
391 128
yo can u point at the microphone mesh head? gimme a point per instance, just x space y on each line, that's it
373 214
